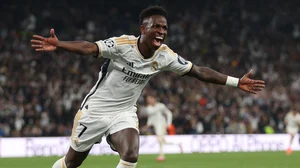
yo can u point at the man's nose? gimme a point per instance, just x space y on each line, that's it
161 31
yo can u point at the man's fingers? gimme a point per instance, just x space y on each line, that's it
251 91
249 73
252 86
38 37
52 33
259 85
36 41
39 49
256 89
259 81
36 46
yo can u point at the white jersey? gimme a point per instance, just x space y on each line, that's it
292 120
125 73
159 115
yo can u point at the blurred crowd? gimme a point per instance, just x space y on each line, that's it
41 92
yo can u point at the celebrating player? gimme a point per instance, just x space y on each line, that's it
110 107
292 122
160 117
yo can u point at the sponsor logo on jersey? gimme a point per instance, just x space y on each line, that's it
133 77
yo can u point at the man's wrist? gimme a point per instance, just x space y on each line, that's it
232 81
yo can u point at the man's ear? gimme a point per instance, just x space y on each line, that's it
143 29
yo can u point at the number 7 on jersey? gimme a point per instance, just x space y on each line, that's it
83 130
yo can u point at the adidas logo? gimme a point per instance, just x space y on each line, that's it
130 64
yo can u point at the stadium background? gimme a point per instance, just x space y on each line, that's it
41 92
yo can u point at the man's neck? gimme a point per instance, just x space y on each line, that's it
144 49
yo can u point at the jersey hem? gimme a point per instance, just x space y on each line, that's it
188 70
97 55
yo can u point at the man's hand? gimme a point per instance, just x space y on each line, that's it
45 44
249 85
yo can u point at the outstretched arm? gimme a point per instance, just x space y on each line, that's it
211 76
52 43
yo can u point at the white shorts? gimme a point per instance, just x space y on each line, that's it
292 130
89 130
160 130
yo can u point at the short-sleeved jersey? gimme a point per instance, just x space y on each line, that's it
125 73
159 115
292 120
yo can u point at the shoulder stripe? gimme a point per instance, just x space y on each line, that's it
120 38
171 52
125 41
166 48
162 48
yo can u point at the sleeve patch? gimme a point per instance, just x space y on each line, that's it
182 60
109 43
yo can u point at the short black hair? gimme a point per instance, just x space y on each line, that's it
152 10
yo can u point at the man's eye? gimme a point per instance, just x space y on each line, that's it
159 26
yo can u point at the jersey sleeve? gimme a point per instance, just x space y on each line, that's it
111 47
107 48
176 63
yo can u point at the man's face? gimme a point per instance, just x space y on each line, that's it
150 100
155 30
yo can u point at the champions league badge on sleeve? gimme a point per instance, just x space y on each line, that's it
109 43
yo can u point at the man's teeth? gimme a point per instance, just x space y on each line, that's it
160 38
